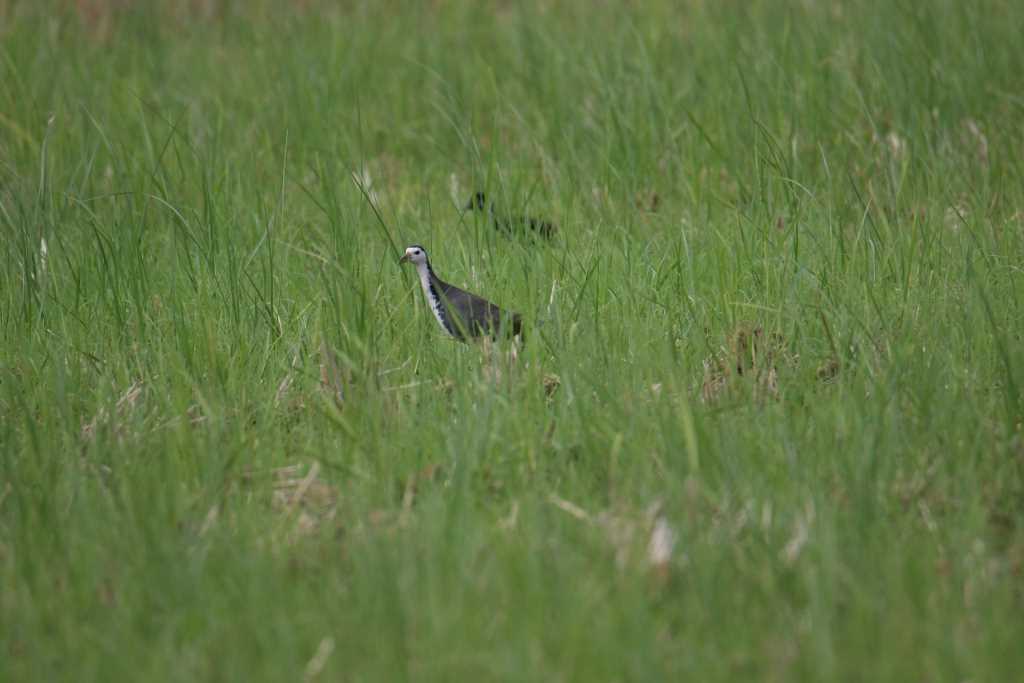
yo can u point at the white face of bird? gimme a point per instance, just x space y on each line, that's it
415 254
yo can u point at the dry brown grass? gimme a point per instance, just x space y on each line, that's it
304 499
116 419
750 356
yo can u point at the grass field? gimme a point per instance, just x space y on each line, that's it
766 423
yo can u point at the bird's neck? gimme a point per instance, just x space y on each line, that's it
432 292
427 276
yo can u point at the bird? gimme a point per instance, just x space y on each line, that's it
458 312
509 224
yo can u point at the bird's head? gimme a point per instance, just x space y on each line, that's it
478 202
414 254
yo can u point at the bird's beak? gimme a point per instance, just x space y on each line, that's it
404 259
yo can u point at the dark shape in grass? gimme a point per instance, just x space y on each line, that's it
510 224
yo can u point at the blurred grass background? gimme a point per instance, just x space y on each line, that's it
766 424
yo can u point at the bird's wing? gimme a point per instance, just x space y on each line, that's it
478 314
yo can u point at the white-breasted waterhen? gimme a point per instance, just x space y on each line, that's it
460 313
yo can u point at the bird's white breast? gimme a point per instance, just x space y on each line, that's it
432 301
